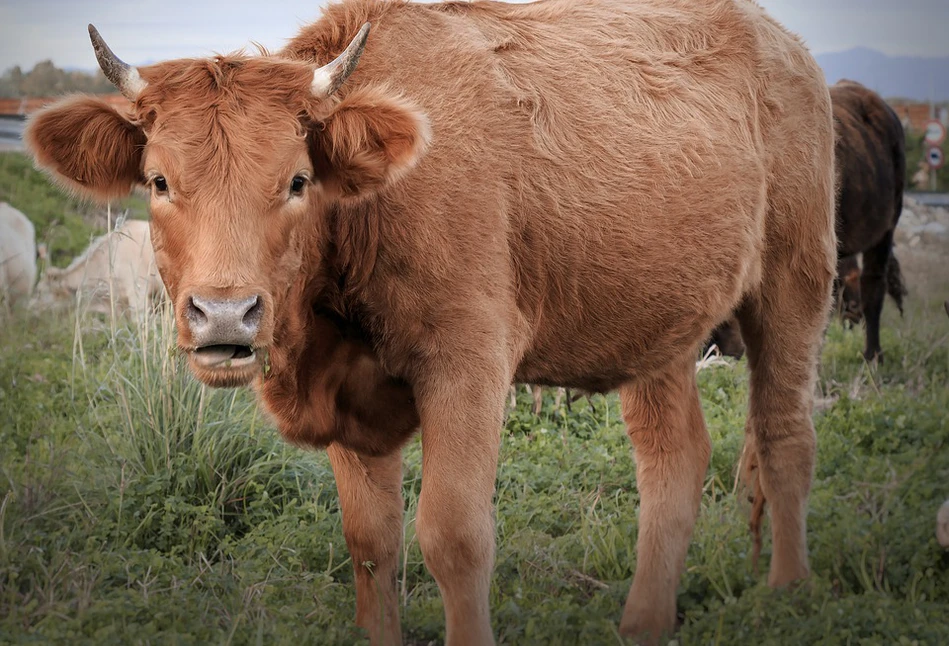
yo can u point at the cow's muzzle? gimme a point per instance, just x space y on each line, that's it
223 331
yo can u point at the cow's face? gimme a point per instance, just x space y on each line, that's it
242 158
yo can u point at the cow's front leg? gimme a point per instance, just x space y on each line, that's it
370 497
455 522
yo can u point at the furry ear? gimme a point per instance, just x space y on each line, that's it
87 146
369 140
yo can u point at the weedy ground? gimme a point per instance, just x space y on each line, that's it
64 224
137 506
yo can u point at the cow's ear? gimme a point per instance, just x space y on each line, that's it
368 141
88 147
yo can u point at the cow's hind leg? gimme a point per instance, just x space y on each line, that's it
783 331
664 421
370 496
872 291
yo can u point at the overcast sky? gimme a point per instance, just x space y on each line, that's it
139 32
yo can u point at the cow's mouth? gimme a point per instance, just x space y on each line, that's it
213 357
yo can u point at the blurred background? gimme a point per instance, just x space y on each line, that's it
138 506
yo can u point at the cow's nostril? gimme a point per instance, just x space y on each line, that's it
195 314
224 321
253 314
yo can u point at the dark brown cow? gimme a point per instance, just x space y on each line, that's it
847 290
727 338
564 193
871 166
847 287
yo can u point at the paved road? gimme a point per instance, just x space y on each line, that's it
11 129
930 199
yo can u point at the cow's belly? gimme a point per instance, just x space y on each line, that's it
629 303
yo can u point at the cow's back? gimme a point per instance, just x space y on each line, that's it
871 166
17 254
604 163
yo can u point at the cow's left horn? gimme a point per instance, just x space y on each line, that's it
329 78
122 75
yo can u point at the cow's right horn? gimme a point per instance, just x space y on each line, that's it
329 78
122 75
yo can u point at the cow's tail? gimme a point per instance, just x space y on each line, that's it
895 286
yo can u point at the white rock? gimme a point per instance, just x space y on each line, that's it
942 525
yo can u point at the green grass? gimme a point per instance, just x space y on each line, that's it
137 506
64 223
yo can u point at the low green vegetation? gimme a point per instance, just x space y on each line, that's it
137 506
64 224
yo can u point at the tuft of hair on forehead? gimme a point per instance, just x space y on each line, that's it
227 79
229 115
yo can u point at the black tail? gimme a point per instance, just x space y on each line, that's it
895 286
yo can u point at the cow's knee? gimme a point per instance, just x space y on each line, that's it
456 544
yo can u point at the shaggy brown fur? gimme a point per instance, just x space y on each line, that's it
564 193
871 166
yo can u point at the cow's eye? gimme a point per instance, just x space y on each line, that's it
160 184
297 184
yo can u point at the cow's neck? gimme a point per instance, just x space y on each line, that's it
324 383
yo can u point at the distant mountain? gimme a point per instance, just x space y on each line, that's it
908 77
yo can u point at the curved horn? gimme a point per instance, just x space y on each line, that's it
329 78
122 75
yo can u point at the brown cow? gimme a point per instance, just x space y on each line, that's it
566 193
727 335
871 165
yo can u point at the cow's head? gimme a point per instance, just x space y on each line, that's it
243 158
